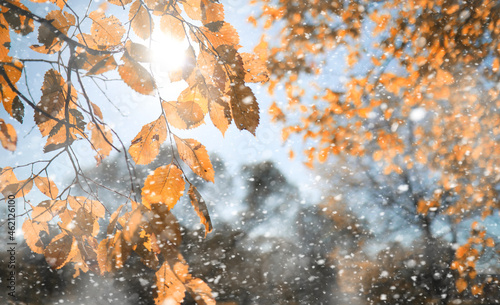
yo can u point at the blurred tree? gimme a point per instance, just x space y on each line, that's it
418 100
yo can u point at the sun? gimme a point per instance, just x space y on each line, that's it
168 53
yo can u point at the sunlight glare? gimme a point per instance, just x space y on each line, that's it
168 53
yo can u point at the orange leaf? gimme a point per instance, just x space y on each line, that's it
169 288
194 94
461 285
194 154
57 253
201 208
94 207
165 185
184 115
212 12
244 108
113 219
162 224
142 24
46 186
223 35
200 291
8 136
48 209
32 230
18 189
106 64
98 139
146 144
193 9
256 70
173 26
220 114
136 76
106 32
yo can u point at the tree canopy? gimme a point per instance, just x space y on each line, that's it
418 101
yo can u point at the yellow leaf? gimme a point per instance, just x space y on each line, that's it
8 136
201 208
165 185
146 144
136 76
46 186
194 154
142 23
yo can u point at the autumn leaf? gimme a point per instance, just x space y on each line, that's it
220 114
165 185
113 220
461 285
8 136
83 223
256 70
183 115
50 41
212 12
18 189
200 292
201 208
46 210
58 252
46 186
146 144
136 76
106 32
244 108
162 226
223 35
32 230
112 253
138 52
195 94
107 63
94 207
142 24
169 288
192 8
101 138
195 155
172 25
